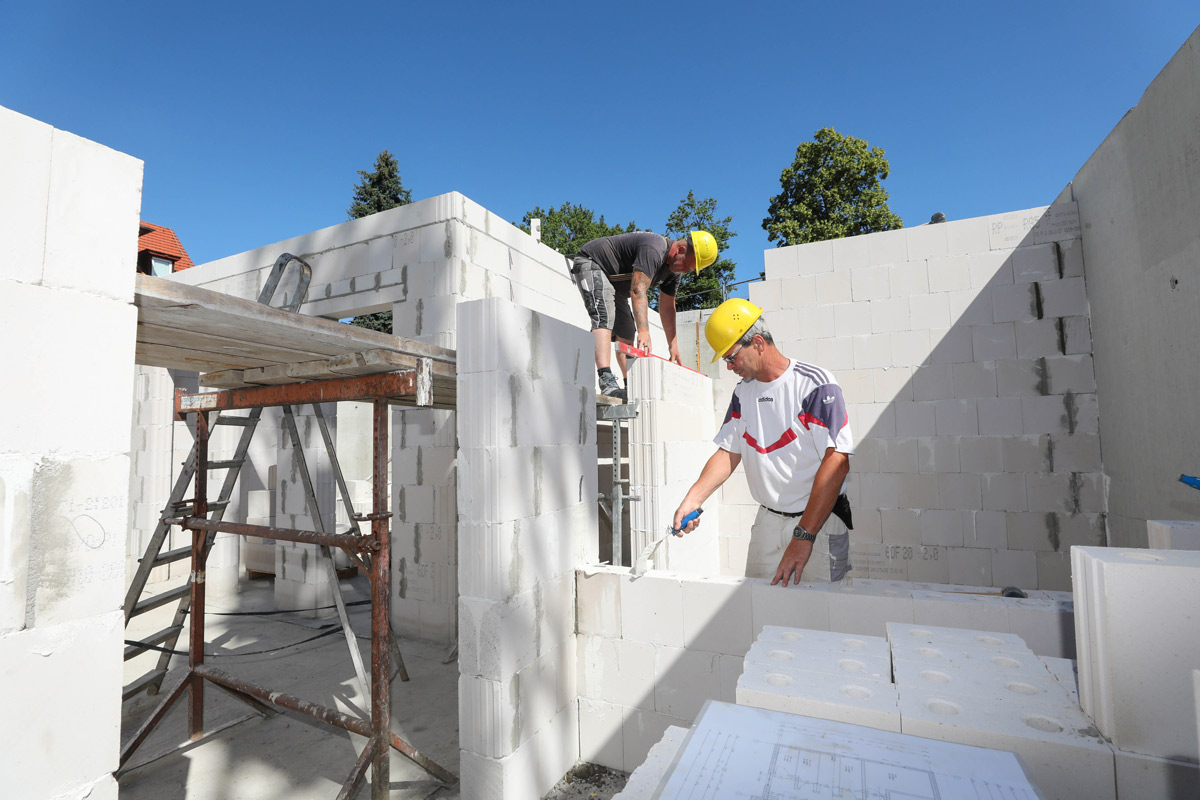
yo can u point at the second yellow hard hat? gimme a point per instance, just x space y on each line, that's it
728 323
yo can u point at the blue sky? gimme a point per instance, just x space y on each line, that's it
254 117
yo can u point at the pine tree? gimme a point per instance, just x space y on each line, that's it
379 190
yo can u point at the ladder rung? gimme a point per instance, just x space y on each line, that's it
171 556
161 599
157 638
230 464
141 683
224 420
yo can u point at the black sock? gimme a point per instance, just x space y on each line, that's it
603 370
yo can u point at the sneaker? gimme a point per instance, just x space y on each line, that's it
609 387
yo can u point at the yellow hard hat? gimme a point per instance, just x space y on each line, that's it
705 247
728 323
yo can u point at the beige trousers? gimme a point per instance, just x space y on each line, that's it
772 533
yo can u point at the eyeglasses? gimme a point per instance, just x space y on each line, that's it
729 358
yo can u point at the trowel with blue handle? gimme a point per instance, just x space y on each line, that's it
643 561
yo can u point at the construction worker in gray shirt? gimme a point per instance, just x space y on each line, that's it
613 271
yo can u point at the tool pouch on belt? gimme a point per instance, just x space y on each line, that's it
841 510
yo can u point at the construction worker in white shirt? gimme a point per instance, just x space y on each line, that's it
788 426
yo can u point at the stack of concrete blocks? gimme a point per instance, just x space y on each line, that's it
1173 534
1138 647
821 674
527 517
669 442
964 351
69 212
989 689
653 648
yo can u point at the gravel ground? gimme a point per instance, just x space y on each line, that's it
588 782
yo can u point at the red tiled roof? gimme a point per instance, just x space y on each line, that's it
162 241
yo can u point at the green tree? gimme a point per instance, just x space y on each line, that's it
703 290
379 190
831 190
570 227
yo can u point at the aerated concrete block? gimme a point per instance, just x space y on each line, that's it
43 685
717 615
641 730
872 703
77 514
960 610
862 610
794 656
46 421
652 609
684 679
954 637
1133 608
1064 755
793 606
600 733
1010 664
92 216
644 779
1173 534
806 639
1032 691
529 772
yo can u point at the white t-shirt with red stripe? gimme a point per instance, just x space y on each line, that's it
781 430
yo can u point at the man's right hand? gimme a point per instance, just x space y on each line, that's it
684 509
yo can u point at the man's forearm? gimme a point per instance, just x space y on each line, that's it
827 485
639 298
666 313
716 471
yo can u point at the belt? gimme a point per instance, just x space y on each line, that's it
841 510
786 513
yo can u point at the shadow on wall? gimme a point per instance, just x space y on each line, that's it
964 351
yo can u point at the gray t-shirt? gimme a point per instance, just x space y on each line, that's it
619 256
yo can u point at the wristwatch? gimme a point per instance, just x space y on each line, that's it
802 534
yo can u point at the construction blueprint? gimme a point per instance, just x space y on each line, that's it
754 754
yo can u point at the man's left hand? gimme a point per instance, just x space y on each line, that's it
643 341
791 566
675 354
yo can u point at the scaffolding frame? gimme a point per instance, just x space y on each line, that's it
372 551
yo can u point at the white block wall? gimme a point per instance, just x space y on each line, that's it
653 648
669 442
1138 204
69 213
527 517
964 351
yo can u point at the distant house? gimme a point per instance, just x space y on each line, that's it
159 251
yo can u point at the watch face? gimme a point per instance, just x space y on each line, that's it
803 535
